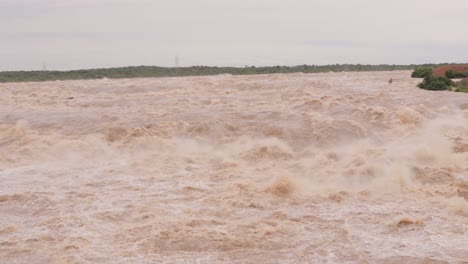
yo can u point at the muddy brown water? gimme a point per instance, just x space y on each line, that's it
290 168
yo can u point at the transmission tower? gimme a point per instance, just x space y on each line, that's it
177 61
44 66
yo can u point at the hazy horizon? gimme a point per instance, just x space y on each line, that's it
84 34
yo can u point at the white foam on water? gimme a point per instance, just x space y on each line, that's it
290 168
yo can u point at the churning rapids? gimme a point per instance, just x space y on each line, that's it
291 168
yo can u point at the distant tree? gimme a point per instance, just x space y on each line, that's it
421 73
452 74
155 71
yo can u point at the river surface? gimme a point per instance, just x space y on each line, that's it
288 168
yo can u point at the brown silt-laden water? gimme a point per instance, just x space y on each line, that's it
289 168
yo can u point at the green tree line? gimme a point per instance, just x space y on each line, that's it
155 71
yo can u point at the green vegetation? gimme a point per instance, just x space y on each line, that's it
436 83
461 86
454 75
421 73
461 89
154 71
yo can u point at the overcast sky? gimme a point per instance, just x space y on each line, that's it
73 34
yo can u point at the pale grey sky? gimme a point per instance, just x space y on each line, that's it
74 34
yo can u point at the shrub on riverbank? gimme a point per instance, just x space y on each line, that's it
421 73
436 83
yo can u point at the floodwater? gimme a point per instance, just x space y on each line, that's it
290 168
